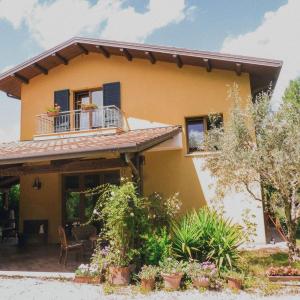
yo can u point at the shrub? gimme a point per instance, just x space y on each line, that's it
205 269
161 211
156 246
148 272
121 210
171 265
205 235
283 271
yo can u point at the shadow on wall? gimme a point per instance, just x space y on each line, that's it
168 172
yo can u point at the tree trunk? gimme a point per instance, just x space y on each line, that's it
292 231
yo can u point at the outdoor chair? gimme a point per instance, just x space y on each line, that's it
65 246
85 234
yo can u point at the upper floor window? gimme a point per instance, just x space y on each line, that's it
196 128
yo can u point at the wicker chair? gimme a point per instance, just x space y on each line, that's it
65 247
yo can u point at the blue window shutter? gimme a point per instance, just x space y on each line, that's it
61 98
112 94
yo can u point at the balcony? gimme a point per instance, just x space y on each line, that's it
79 121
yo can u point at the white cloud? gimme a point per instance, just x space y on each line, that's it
132 26
9 119
277 37
52 22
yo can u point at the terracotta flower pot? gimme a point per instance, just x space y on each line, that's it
172 281
234 283
148 284
200 282
119 275
52 113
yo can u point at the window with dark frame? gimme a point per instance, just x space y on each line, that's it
196 127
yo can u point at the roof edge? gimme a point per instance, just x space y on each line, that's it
145 47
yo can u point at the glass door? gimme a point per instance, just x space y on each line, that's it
78 207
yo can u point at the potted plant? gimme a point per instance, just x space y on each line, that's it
53 111
147 276
119 266
235 280
283 274
88 106
172 271
202 274
87 274
119 209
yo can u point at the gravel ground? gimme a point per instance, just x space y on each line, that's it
29 289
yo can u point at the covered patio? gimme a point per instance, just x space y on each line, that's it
50 172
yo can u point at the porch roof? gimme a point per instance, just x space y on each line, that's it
75 147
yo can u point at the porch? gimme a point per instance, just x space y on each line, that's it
36 259
51 173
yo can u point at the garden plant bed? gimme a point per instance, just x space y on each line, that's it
284 278
87 279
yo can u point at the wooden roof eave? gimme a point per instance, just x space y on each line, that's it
76 46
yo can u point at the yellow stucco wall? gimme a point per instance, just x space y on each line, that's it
158 93
43 204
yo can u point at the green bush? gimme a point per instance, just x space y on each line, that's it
205 235
156 246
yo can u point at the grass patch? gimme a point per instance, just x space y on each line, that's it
255 265
258 262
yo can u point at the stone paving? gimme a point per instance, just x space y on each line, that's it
35 259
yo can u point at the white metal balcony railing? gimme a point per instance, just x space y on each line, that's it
79 120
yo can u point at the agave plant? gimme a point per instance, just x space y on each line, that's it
205 235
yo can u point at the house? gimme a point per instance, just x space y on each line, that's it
151 111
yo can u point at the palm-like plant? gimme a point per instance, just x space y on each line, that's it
205 235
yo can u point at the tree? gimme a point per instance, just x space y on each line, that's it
259 145
292 92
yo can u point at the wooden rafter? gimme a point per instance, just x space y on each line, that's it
61 58
82 48
151 57
41 68
103 50
178 60
126 53
20 78
207 64
65 167
238 69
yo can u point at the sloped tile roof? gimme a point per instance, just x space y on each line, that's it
130 141
262 71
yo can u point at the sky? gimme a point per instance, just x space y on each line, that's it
261 28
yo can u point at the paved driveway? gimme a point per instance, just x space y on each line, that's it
29 289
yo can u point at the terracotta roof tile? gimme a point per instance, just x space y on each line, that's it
130 141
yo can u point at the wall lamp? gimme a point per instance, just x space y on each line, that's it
37 184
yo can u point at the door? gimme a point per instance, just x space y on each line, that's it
89 119
78 207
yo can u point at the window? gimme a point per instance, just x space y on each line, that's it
197 127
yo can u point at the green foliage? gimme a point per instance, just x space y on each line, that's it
260 145
148 272
292 92
14 196
205 235
122 212
156 246
161 211
134 226
171 265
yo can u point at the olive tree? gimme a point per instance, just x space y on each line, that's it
259 145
